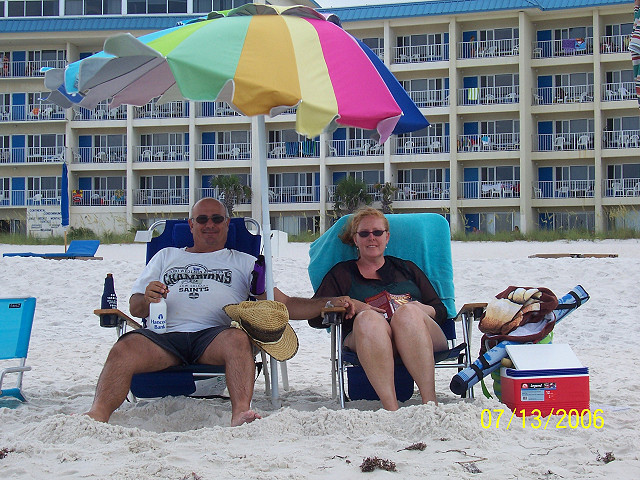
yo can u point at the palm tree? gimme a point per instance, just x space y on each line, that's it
232 191
387 192
350 194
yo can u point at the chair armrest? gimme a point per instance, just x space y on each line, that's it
112 317
472 311
332 315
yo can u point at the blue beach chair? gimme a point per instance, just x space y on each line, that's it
195 380
424 239
78 249
16 319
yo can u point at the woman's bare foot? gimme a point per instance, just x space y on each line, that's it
245 417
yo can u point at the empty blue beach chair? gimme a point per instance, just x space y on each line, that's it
78 249
423 238
16 319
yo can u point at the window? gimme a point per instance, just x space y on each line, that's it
33 8
206 6
156 6
92 7
160 139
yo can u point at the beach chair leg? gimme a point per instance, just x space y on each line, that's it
285 376
267 375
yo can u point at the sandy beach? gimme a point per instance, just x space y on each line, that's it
309 436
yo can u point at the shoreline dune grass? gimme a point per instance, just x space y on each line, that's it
308 436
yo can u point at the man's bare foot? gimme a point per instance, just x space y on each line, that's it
96 417
245 417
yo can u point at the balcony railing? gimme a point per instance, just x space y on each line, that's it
100 155
294 194
618 91
422 191
563 189
101 112
622 187
420 145
165 110
421 53
508 47
35 112
621 139
224 151
568 94
302 149
371 190
215 109
489 189
614 43
564 141
20 198
488 95
489 142
216 193
161 153
31 68
112 197
430 98
355 148
161 196
562 48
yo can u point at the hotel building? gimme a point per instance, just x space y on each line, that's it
532 105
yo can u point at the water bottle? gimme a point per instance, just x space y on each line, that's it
158 316
109 300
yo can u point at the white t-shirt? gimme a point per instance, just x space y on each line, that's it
200 284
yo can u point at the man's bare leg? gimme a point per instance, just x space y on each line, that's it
132 354
233 349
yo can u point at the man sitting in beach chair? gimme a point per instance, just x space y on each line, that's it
199 331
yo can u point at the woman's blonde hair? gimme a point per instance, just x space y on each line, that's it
351 227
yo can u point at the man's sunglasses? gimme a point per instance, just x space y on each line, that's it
203 219
366 233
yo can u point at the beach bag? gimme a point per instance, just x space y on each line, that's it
518 314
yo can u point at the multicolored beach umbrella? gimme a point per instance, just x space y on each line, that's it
260 59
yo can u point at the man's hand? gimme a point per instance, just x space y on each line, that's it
353 306
154 291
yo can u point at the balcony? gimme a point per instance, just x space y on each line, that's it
105 198
488 142
489 95
294 194
614 44
101 112
564 141
215 109
622 187
216 193
491 189
621 139
224 151
161 153
420 145
612 92
371 190
508 47
100 155
35 112
29 68
564 189
302 149
38 154
165 110
161 196
422 191
562 48
421 53
567 94
359 147
430 98
21 198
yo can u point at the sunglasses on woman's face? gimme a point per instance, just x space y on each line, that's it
203 219
366 233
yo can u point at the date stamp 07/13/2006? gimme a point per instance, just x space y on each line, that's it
561 418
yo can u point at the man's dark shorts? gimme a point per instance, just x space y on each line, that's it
187 346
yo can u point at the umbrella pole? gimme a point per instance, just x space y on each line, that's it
65 240
266 237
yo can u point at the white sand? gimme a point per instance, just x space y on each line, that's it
309 437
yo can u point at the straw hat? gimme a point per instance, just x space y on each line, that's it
267 324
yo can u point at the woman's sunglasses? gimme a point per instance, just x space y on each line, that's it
366 233
203 219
